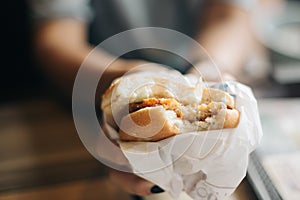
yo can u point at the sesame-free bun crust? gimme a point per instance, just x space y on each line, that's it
232 118
148 124
211 94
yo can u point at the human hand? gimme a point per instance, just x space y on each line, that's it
121 67
132 184
210 72
132 66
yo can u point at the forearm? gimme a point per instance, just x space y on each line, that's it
59 49
61 46
226 35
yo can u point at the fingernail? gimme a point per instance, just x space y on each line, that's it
155 189
135 197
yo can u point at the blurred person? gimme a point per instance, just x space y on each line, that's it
66 31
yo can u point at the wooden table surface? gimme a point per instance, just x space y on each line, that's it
42 157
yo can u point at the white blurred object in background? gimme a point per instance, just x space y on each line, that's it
278 28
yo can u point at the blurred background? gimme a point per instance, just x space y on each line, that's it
39 146
41 155
18 70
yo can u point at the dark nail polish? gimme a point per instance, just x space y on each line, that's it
135 197
155 189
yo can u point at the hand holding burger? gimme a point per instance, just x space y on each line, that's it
148 106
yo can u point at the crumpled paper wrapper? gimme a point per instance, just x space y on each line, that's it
206 164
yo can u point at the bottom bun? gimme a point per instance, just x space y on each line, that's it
156 123
148 124
232 118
